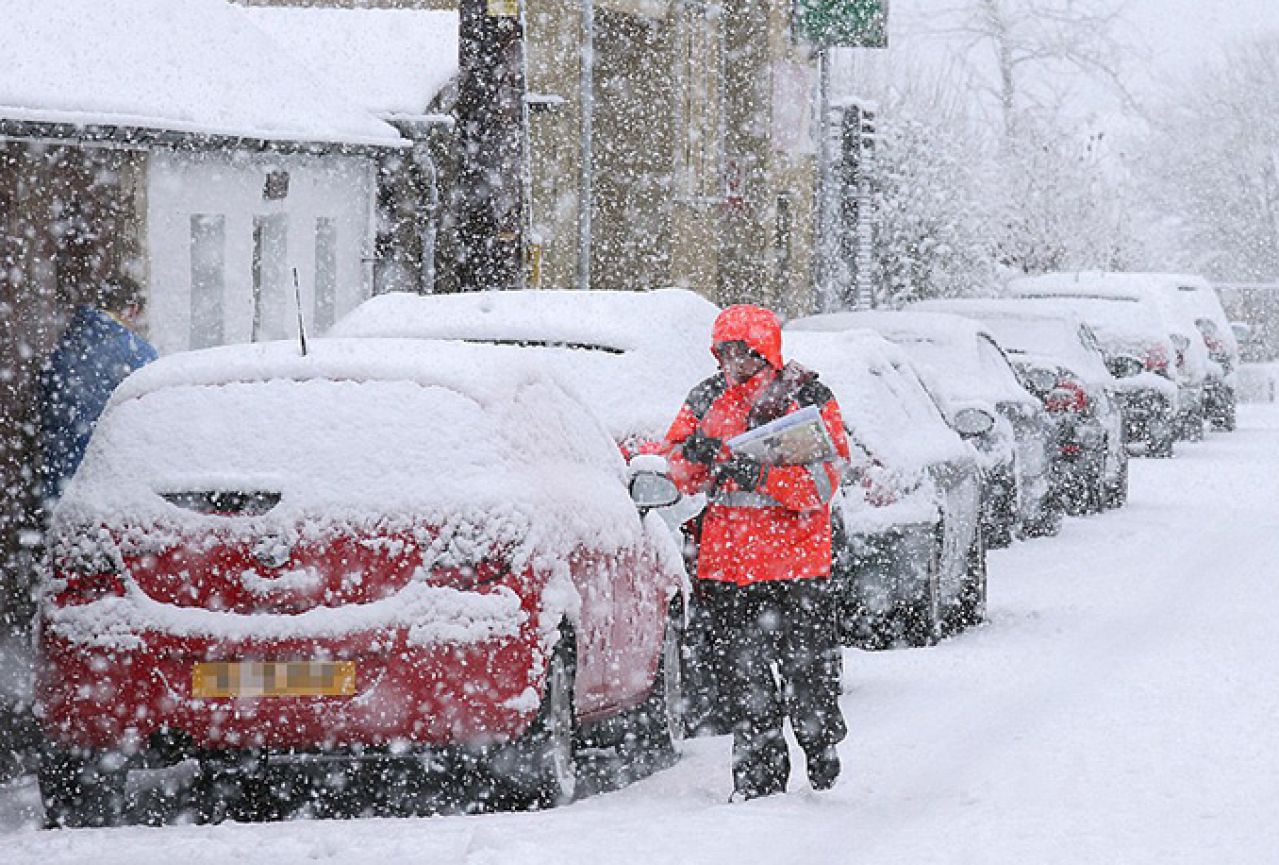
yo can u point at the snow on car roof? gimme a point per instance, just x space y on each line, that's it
949 346
632 356
885 407
391 61
480 372
357 433
1026 327
198 66
1118 281
1120 325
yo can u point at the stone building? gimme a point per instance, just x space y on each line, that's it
687 126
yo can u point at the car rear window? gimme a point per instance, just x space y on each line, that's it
363 449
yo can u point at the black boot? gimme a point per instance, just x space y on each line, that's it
823 768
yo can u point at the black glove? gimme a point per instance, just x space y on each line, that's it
748 472
701 448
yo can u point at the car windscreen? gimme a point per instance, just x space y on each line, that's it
1055 338
963 369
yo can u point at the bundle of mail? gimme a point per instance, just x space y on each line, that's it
798 438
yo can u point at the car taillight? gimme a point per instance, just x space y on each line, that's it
1157 359
84 588
1067 396
468 576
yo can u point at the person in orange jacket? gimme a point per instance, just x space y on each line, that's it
764 555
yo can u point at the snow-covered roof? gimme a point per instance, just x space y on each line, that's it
632 356
189 66
949 347
390 61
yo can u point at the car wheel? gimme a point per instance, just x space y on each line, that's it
538 770
998 523
661 718
1047 522
1194 430
1224 417
1096 496
920 621
972 599
1116 491
1162 438
80 788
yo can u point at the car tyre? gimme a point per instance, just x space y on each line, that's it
971 610
1224 417
538 770
1162 439
662 716
1116 491
921 619
80 788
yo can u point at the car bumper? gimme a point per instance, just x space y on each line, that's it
436 694
887 569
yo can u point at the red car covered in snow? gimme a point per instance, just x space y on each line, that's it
382 550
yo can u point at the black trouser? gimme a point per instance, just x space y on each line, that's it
778 630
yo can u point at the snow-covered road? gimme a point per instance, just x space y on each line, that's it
1120 707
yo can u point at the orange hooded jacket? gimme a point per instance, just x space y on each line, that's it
782 529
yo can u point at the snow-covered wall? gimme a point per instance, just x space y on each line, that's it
222 248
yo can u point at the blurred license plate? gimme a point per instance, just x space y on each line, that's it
273 679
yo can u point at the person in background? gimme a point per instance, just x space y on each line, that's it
764 558
100 347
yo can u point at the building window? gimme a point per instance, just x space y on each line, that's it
270 277
326 272
208 279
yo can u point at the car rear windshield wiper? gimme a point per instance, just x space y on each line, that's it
549 343
238 503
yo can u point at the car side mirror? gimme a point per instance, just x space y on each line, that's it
972 422
650 484
1124 366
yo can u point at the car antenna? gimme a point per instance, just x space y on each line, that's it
297 298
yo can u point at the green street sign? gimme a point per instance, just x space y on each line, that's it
842 23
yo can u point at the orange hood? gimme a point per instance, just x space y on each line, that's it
753 325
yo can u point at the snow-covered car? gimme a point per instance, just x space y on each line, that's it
1195 296
1059 359
356 557
632 356
1083 433
910 561
1188 363
964 368
1137 349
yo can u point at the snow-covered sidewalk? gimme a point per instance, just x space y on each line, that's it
1119 707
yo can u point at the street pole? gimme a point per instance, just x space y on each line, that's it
828 229
490 121
586 177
